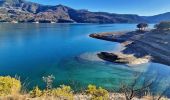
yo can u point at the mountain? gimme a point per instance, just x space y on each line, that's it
24 11
158 18
83 16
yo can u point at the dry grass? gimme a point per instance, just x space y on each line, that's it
112 96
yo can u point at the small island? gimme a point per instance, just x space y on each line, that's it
141 46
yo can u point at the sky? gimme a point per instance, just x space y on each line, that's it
140 7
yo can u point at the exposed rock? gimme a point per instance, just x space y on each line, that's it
142 46
123 58
108 56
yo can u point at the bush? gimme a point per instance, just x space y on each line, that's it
36 92
163 26
63 92
142 26
9 86
97 93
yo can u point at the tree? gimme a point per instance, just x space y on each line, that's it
163 25
141 86
142 26
145 25
132 90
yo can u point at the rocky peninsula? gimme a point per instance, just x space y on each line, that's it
140 46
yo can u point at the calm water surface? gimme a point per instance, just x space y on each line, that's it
32 51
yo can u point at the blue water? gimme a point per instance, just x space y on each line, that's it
32 51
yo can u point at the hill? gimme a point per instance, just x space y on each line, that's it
24 11
158 18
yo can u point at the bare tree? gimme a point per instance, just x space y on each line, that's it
132 90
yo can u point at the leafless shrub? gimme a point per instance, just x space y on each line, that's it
132 90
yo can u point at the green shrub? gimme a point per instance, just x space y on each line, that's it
97 93
9 86
36 92
63 92
163 25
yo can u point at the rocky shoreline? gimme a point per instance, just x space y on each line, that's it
140 47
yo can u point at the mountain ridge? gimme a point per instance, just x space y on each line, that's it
157 18
24 11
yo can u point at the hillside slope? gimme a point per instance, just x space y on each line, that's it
158 18
23 11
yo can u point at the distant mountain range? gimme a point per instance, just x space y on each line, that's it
158 18
24 11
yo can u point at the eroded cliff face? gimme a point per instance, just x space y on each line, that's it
151 45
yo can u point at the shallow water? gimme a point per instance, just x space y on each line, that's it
32 51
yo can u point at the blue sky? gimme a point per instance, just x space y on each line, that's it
140 7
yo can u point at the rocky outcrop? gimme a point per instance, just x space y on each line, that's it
121 58
140 47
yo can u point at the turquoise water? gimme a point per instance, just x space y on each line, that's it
32 51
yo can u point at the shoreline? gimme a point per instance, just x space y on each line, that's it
140 47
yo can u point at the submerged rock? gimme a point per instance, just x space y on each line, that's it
89 57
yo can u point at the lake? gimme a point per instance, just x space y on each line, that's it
32 51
